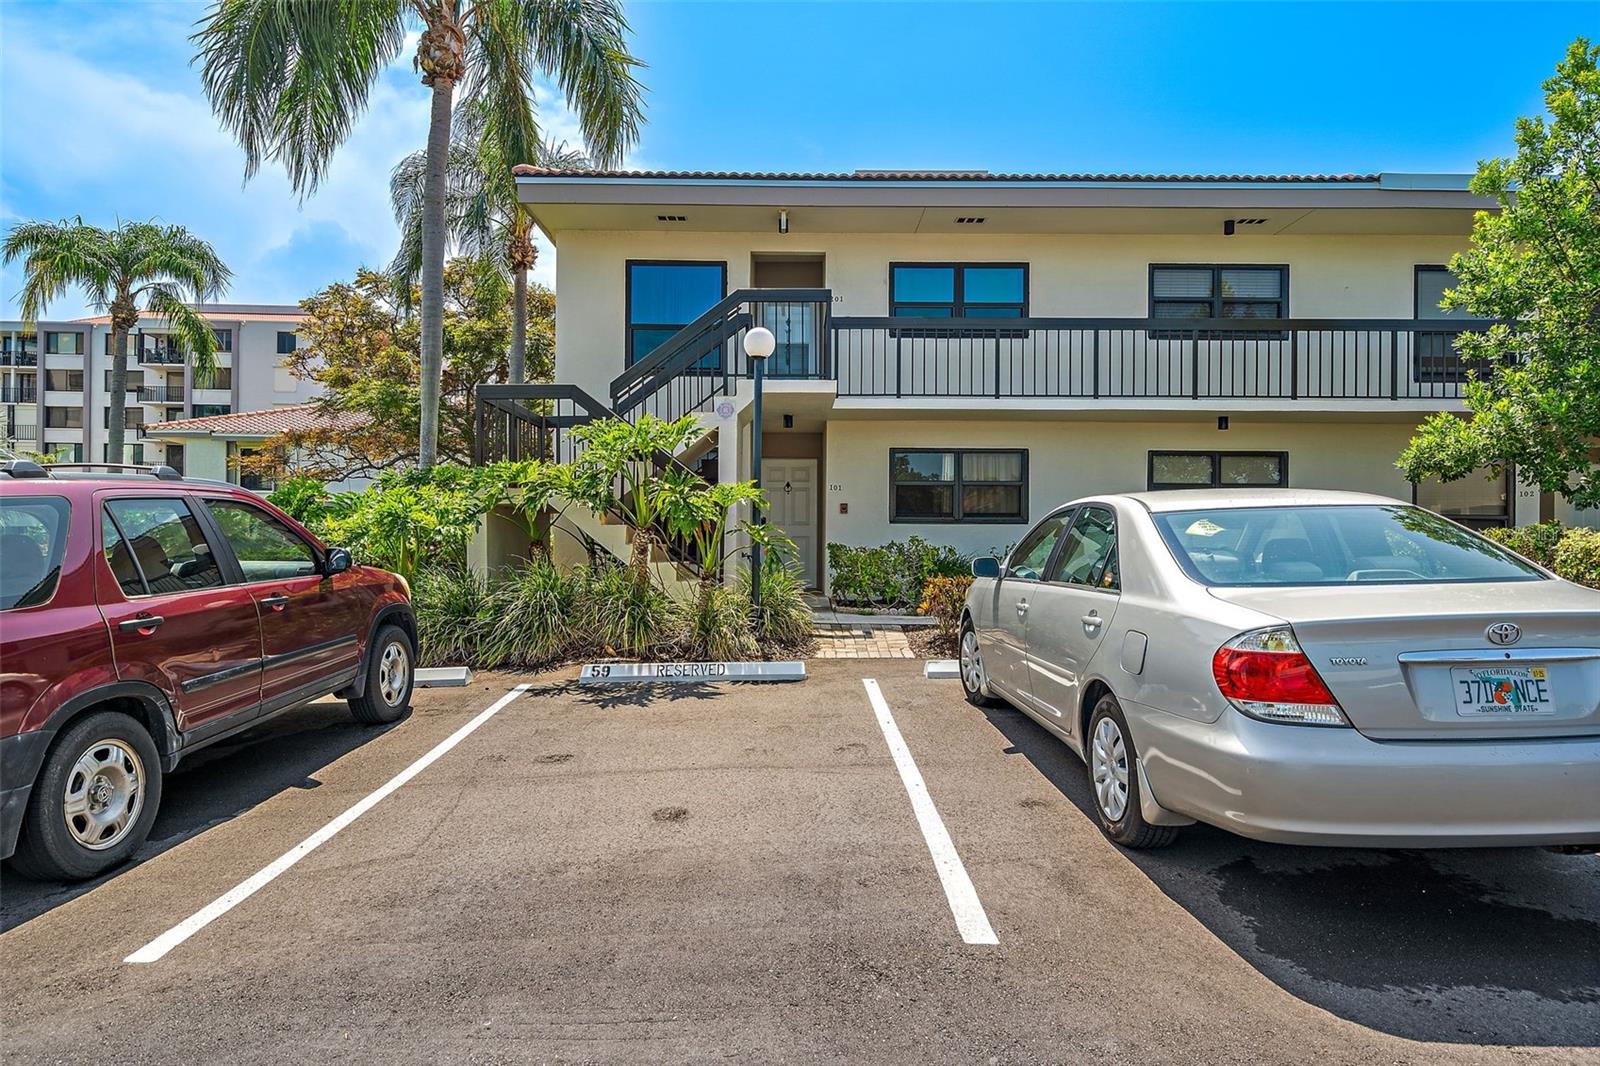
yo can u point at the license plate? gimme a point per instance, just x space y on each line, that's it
1502 691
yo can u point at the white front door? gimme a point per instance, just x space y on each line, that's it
791 488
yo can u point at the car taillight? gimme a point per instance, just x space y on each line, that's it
1266 675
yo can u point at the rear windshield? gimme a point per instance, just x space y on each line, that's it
33 537
1333 545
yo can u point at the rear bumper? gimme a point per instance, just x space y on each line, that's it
20 759
1309 785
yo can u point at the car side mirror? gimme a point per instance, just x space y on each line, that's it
338 561
986 566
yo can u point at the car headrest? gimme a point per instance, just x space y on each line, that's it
1285 550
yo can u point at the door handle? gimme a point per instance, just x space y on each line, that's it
277 603
1022 608
1092 620
143 621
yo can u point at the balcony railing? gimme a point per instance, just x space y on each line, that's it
1110 358
15 358
161 394
161 356
18 394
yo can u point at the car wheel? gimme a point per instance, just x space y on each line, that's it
389 679
93 802
974 680
1114 777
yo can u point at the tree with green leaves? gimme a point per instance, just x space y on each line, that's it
166 269
1535 266
290 79
482 215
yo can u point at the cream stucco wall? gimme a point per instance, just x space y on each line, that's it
1068 459
1360 276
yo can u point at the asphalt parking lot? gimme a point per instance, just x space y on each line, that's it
738 873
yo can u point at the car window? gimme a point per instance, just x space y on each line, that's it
120 558
167 544
266 548
1086 556
33 538
1333 545
1029 557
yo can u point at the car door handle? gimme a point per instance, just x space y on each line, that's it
1092 620
144 621
277 603
1022 608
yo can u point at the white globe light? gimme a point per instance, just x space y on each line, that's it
759 343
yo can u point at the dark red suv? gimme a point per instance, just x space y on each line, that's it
143 616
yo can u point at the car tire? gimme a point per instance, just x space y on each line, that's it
1113 762
94 800
974 679
391 674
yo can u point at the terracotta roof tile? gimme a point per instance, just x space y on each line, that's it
265 423
526 170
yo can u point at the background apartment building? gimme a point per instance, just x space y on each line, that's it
55 379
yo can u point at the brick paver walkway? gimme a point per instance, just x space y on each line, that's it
857 643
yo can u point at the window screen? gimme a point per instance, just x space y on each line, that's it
1201 470
1216 291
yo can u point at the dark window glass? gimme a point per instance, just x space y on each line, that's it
206 410
225 339
1032 553
63 417
135 380
1181 470
951 486
665 297
62 343
1332 545
287 342
1205 291
119 558
1481 499
267 549
33 538
1086 555
958 290
167 544
63 380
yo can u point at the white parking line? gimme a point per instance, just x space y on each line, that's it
261 878
971 921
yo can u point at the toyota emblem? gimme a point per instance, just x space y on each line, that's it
1503 633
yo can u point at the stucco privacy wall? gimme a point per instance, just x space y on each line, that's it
1068 459
1357 276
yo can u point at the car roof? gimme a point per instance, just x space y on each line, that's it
1206 499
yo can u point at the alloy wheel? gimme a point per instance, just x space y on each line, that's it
104 794
1108 759
971 662
394 671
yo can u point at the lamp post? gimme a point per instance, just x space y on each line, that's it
758 345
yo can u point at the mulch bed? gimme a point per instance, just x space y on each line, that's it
929 643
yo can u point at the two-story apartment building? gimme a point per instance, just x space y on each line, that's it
55 380
959 352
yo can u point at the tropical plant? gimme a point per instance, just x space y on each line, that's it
482 215
623 616
290 80
943 599
453 614
165 268
617 469
890 575
718 625
1534 265
782 616
531 615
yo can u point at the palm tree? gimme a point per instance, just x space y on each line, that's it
482 215
290 79
164 267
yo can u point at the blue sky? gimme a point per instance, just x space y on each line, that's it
102 115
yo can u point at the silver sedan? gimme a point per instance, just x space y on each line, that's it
1298 666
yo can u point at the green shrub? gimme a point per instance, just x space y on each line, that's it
1577 557
942 600
891 575
451 607
1537 542
530 616
305 499
621 616
717 624
784 616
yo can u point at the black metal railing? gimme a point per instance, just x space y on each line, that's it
11 357
1110 358
159 354
18 394
689 370
160 393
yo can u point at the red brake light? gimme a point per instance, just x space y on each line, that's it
1265 675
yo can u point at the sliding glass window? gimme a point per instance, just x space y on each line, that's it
664 296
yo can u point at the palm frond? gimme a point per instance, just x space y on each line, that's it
195 333
583 43
289 79
58 255
173 253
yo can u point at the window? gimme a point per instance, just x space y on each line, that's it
63 417
1032 553
33 537
1209 470
63 343
63 380
221 379
135 380
988 485
663 297
1219 291
958 290
267 549
1481 500
225 339
68 453
131 417
1089 554
169 550
1436 358
1332 545
287 342
131 453
206 410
